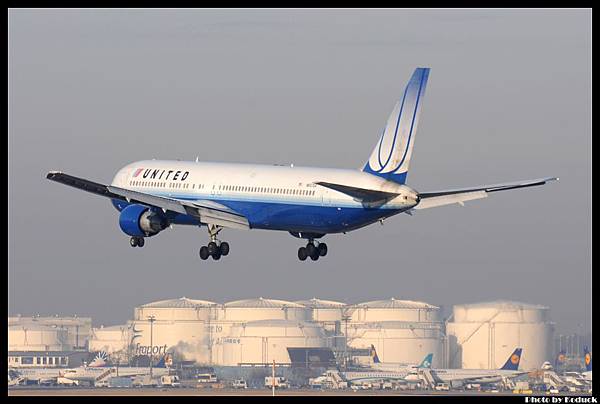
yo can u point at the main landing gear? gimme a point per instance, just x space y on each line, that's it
216 248
136 241
312 251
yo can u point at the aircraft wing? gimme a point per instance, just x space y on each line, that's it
208 212
447 197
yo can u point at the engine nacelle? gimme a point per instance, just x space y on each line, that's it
140 221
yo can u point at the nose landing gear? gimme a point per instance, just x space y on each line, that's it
136 241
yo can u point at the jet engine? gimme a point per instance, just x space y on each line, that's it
141 221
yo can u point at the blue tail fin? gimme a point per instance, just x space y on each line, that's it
560 359
513 360
587 358
426 361
391 156
165 362
374 355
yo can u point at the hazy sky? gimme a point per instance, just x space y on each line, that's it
508 98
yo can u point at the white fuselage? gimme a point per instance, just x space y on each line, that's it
473 375
271 196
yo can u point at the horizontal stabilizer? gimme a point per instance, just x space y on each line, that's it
436 201
490 188
360 194
451 196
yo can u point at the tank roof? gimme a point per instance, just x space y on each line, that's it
394 303
262 303
320 303
502 304
278 323
111 328
181 303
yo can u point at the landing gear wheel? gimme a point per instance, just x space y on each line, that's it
217 255
322 249
212 248
310 249
224 247
302 254
140 242
204 253
315 255
133 241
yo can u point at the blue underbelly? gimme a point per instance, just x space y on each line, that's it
293 218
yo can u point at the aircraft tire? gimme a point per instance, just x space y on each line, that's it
212 248
217 255
322 249
302 254
310 249
204 253
133 241
315 255
140 242
224 247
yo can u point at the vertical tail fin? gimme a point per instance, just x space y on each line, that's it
587 358
391 156
99 361
513 360
374 355
560 359
166 361
426 364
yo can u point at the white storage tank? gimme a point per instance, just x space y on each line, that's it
324 311
180 326
402 331
36 337
330 315
483 335
264 309
240 312
78 328
112 340
264 341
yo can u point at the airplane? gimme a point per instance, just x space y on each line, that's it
50 375
508 370
378 365
95 370
309 203
382 371
386 371
93 373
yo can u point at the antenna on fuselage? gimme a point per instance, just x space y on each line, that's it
197 158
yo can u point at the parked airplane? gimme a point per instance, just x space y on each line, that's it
309 203
49 375
379 371
378 365
92 374
509 370
95 370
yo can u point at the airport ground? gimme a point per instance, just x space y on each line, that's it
78 391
